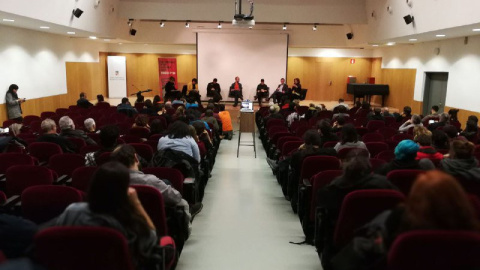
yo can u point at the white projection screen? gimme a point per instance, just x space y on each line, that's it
250 56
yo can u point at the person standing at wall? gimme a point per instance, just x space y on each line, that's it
14 109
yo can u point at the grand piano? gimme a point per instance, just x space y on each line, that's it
362 90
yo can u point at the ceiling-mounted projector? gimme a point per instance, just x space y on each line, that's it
242 20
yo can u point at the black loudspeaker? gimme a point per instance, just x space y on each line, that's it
133 32
408 19
349 35
77 12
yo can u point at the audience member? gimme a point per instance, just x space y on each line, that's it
405 154
312 147
49 129
426 149
324 128
209 118
413 122
338 124
440 140
120 210
141 121
341 102
442 121
126 108
148 109
156 127
108 141
178 138
376 115
12 141
227 128
349 139
433 113
460 159
471 131
90 125
68 130
83 101
342 111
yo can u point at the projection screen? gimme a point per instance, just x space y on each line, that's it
250 56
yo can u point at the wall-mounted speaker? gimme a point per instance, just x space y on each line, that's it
349 35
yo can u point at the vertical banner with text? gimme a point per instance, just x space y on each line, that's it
167 67
117 76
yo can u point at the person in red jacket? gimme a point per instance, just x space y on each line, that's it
426 149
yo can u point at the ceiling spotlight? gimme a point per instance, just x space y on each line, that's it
284 27
408 19
133 32
440 35
412 39
219 26
162 24
349 35
92 37
187 24
77 12
44 27
8 20
250 27
314 28
71 33
476 30
374 45
391 43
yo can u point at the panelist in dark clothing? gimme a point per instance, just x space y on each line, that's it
83 101
236 91
213 88
49 129
192 90
171 91
296 87
281 90
262 91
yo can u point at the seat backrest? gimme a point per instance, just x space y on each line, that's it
315 164
402 136
330 144
45 115
82 176
319 181
65 164
343 153
155 137
19 177
359 207
152 201
281 141
173 175
139 132
275 122
103 158
275 129
143 150
387 132
403 179
80 248
132 139
435 249
290 146
376 147
373 137
42 203
377 163
44 150
373 125
8 160
78 142
30 118
387 155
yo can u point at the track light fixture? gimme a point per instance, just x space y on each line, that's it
187 24
162 24
314 28
77 12
284 27
133 32
408 19
219 26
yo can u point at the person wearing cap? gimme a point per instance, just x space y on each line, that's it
262 92
213 88
405 154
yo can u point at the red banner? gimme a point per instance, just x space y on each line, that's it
167 67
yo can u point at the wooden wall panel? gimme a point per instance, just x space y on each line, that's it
326 78
463 115
142 70
402 86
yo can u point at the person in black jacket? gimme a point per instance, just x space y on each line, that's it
262 92
171 91
49 129
83 101
67 128
236 91
213 88
325 129
281 90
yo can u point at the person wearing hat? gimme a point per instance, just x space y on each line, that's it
213 89
405 154
262 92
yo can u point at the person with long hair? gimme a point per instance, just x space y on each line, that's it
414 121
178 138
296 87
14 108
112 203
108 141
460 160
349 139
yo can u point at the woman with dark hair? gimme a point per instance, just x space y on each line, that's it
202 134
296 87
440 140
324 128
471 131
414 121
312 147
120 210
349 139
178 137
460 159
156 127
141 121
14 109
100 98
148 109
108 141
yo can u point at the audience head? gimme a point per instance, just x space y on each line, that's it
453 114
341 120
366 105
440 139
473 118
358 104
156 127
377 111
168 105
125 154
199 127
148 103
424 140
406 150
438 202
12 88
471 126
82 95
89 124
434 109
407 110
443 118
124 100
312 138
15 129
66 122
324 127
416 120
48 126
451 131
349 134
217 98
356 164
418 130
141 120
178 130
109 135
341 100
100 98
209 113
342 109
156 99
460 149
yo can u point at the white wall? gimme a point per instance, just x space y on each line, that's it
430 15
462 62
316 52
35 61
